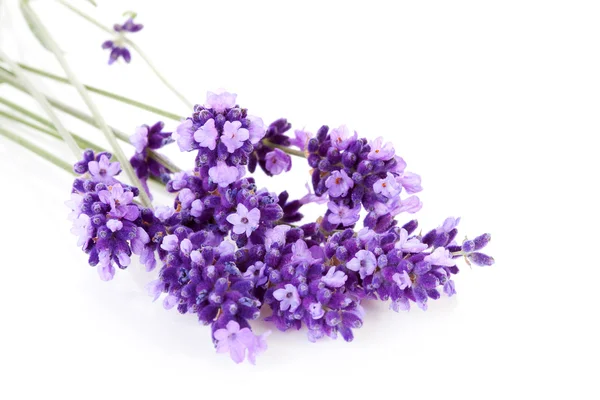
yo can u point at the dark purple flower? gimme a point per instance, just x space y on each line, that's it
117 45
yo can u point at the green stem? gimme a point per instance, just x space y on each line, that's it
135 47
108 133
105 93
41 99
287 150
80 141
77 114
37 150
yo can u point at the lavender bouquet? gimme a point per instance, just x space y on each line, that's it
227 249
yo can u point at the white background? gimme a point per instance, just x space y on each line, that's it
495 104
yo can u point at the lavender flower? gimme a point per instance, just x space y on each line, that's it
244 221
288 297
117 45
277 161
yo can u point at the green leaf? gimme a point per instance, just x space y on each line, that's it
24 5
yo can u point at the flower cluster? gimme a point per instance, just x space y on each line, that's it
228 250
117 45
105 219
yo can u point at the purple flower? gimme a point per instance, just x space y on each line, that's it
244 221
106 271
163 213
407 245
256 129
139 139
234 135
316 310
288 297
301 252
388 187
234 340
220 101
114 225
170 243
364 262
223 174
197 208
103 170
411 205
256 273
277 161
184 135
186 197
339 183
207 135
116 45
128 26
260 346
75 205
120 202
411 182
380 151
334 279
402 280
340 214
342 137
301 139
83 229
441 257
449 224
276 235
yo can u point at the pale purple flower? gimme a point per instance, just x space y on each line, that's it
380 151
301 139
186 197
234 135
449 288
401 304
221 100
301 252
106 270
256 273
179 180
139 139
164 212
120 202
103 170
441 257
83 229
411 205
449 224
334 279
223 174
170 243
226 247
402 280
256 129
186 247
316 310
364 262
341 214
288 297
244 221
407 245
259 346
197 208
234 340
184 135
388 187
207 135
170 301
310 197
276 161
114 225
276 235
410 181
339 183
155 289
342 137
138 245
75 205
365 235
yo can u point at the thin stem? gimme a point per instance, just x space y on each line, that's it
41 99
80 141
108 133
287 150
37 150
105 93
135 47
79 115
